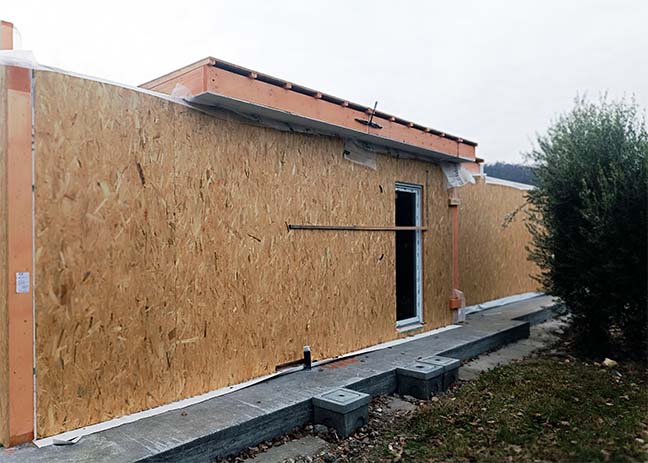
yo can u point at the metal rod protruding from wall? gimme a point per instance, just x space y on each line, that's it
353 228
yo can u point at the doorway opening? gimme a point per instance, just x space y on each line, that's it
409 294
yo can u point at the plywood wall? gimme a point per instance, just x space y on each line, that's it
4 338
164 264
492 256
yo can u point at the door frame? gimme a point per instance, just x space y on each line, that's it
417 190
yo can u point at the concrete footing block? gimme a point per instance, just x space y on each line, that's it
449 365
420 380
342 409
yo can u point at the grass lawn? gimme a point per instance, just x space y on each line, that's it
542 409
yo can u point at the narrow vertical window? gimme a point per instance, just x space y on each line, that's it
408 255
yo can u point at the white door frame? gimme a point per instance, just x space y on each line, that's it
418 194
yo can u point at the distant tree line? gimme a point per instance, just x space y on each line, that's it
514 172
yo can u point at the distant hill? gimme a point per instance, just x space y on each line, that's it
513 172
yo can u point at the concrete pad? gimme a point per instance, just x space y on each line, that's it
341 400
303 447
343 409
421 370
541 336
420 380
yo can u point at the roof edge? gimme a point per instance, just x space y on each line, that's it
268 79
210 60
313 126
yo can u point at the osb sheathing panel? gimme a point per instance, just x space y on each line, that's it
492 239
165 267
4 346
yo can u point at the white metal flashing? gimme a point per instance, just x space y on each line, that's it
499 302
501 181
33 269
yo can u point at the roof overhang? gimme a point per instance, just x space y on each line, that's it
288 121
226 79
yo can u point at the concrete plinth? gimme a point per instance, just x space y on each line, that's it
420 380
450 368
342 409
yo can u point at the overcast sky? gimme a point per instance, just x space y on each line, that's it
494 71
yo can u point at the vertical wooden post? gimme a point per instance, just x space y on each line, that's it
453 202
455 247
4 279
17 385
20 254
6 35
18 425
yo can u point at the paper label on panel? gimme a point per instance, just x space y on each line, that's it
22 282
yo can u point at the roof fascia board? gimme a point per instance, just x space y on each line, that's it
266 94
325 96
242 83
209 61
295 122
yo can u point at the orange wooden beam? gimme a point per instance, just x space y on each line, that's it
472 167
234 85
20 420
453 202
238 84
6 35
455 247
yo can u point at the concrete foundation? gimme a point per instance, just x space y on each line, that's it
449 366
420 380
341 409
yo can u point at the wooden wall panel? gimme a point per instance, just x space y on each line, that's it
165 267
492 256
4 335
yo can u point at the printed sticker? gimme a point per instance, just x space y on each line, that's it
22 282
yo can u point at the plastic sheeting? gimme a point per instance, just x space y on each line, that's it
26 59
360 153
456 174
20 58
460 315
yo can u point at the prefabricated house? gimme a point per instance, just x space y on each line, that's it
162 242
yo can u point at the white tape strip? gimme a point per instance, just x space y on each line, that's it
499 302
